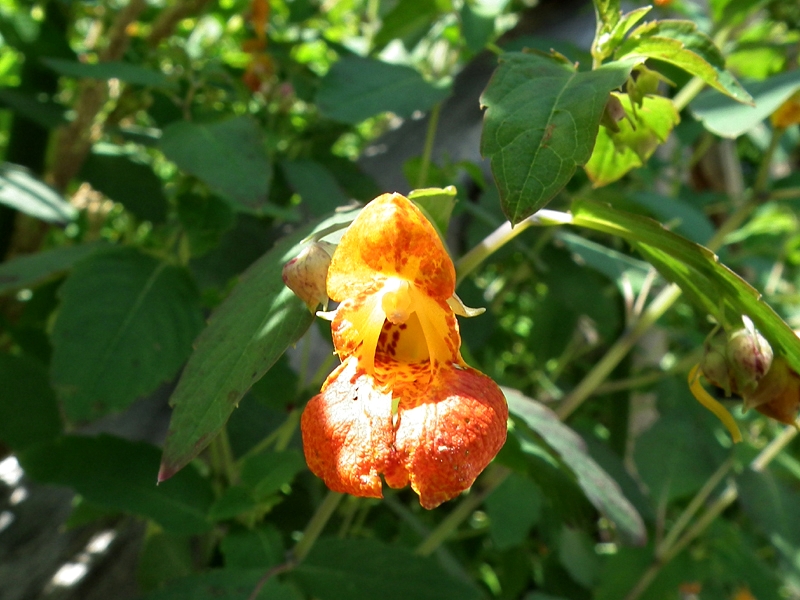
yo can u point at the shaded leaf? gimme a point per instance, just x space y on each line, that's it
731 119
245 335
125 325
229 156
616 153
407 18
680 43
541 122
28 409
771 504
234 501
358 88
267 472
93 466
127 72
315 184
366 568
602 491
576 554
46 113
131 183
164 556
205 219
223 584
20 190
513 508
258 548
31 270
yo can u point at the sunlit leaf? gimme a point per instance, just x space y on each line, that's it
541 122
647 126
245 335
20 190
680 43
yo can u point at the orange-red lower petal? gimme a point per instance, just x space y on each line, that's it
446 440
347 432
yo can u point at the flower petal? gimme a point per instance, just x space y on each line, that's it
347 433
391 238
445 440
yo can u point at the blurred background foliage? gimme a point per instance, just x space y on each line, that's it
154 150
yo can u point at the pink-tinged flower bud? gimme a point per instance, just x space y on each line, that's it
307 273
749 359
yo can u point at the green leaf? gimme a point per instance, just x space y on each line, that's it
681 215
223 584
731 119
602 491
437 205
608 13
366 568
713 286
477 23
125 325
164 556
576 554
234 501
358 88
205 219
541 122
31 270
46 113
315 184
513 508
266 473
20 190
129 182
258 548
680 43
28 409
229 156
245 335
685 468
120 474
771 504
616 153
407 18
126 72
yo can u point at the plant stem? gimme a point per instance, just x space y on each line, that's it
492 478
430 136
618 351
315 526
504 234
674 545
688 93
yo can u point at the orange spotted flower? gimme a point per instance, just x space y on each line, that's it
403 404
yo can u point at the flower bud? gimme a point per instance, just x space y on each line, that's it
749 359
715 368
306 274
778 393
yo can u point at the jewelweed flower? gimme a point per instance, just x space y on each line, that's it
403 404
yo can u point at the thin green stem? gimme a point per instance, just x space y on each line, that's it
287 430
503 235
762 176
315 525
694 505
427 151
492 478
675 544
688 93
618 351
